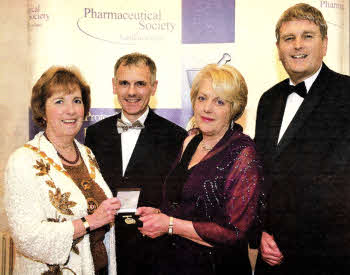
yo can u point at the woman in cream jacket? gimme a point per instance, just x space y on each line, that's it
59 208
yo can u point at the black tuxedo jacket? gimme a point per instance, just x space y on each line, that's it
306 175
156 149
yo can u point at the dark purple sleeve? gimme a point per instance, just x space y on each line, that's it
242 196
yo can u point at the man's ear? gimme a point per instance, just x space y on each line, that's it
114 86
324 45
154 87
278 50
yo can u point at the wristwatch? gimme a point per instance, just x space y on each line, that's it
86 224
171 225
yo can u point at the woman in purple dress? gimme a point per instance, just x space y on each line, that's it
213 193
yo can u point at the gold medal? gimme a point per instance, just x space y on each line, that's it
129 220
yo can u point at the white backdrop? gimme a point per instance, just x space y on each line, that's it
37 34
93 34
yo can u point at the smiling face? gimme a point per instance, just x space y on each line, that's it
133 86
212 113
301 49
64 113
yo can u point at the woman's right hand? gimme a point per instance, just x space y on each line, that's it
104 214
145 210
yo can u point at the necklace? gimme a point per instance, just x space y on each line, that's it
206 147
62 157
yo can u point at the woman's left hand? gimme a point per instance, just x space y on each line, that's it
154 225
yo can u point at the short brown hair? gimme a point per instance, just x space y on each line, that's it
136 59
302 11
228 83
56 77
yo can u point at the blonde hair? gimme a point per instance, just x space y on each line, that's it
228 83
302 11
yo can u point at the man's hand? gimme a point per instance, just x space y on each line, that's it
269 250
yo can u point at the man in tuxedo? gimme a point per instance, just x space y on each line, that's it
135 149
303 136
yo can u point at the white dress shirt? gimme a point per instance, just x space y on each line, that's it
293 103
129 139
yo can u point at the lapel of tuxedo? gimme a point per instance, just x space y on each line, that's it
312 100
144 146
116 149
277 115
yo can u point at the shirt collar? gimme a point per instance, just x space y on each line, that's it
310 80
141 119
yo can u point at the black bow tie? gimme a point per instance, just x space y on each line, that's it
300 89
123 126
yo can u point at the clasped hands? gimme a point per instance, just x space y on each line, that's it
269 250
155 224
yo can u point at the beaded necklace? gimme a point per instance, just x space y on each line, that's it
62 157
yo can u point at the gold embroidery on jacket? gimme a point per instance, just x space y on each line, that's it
50 183
43 169
61 201
58 200
55 269
92 160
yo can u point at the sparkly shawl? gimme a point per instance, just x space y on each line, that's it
223 192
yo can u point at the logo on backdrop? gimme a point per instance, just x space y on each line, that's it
36 16
125 26
332 4
331 11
